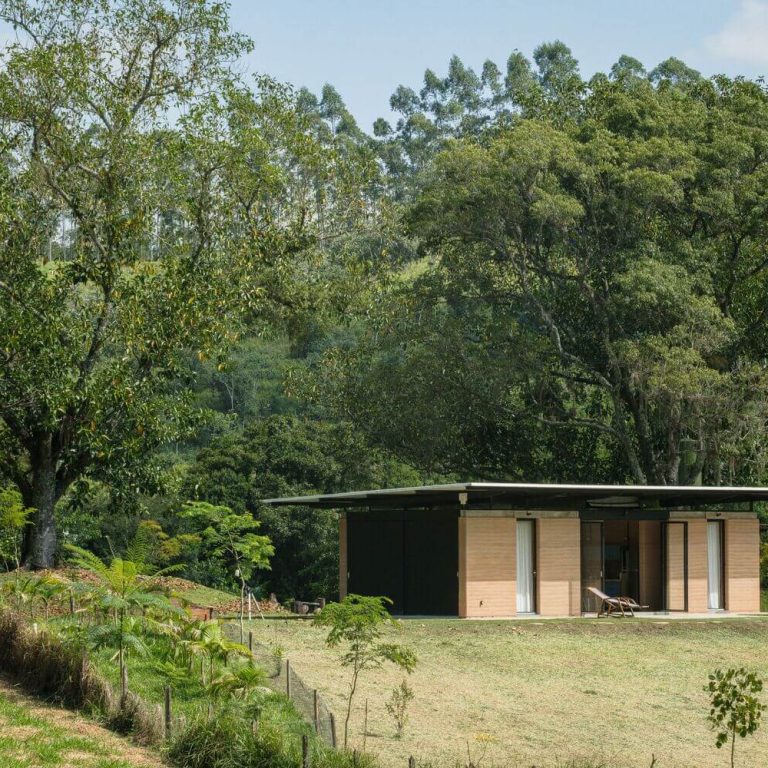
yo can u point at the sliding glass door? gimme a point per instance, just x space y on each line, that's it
591 564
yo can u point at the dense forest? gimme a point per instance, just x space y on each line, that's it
223 289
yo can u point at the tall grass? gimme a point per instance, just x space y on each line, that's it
226 742
46 666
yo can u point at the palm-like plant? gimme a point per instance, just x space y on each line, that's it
238 683
20 590
211 643
135 605
48 588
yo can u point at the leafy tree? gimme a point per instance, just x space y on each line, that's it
602 274
734 707
142 191
230 537
356 624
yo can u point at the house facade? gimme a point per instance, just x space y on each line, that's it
506 549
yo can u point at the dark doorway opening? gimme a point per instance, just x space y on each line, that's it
609 560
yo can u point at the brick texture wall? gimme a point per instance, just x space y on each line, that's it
487 566
742 565
558 555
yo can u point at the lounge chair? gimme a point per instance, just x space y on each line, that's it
609 605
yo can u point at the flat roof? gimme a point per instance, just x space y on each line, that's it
531 495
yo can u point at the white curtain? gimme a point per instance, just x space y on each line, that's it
525 585
715 570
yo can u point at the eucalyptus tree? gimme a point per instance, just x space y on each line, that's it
185 196
602 274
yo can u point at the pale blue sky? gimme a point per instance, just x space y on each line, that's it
366 48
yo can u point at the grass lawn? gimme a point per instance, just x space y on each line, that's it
33 735
611 691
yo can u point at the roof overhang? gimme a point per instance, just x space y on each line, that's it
481 495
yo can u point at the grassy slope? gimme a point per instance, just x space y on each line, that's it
613 690
35 735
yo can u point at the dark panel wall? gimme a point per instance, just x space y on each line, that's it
410 557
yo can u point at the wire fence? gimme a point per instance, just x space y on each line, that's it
283 679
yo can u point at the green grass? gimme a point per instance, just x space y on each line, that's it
208 597
35 736
609 691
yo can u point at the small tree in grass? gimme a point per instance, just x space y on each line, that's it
356 623
735 709
231 538
129 608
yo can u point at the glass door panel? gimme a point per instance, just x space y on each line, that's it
591 564
526 569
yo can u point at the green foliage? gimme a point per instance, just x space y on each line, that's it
230 536
734 707
397 706
290 455
14 516
356 624
592 278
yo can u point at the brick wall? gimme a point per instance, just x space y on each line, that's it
742 565
487 566
558 555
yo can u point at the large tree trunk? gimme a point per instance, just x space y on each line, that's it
42 543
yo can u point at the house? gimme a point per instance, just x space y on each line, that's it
506 549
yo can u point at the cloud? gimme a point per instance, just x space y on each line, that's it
745 35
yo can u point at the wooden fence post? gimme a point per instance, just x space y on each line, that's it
167 712
71 603
315 711
411 762
333 730
365 726
304 751
288 678
250 640
354 758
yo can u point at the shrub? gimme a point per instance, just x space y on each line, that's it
226 742
397 706
734 706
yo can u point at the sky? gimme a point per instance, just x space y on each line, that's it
366 48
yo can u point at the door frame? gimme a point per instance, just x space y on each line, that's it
665 562
601 523
534 561
723 599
